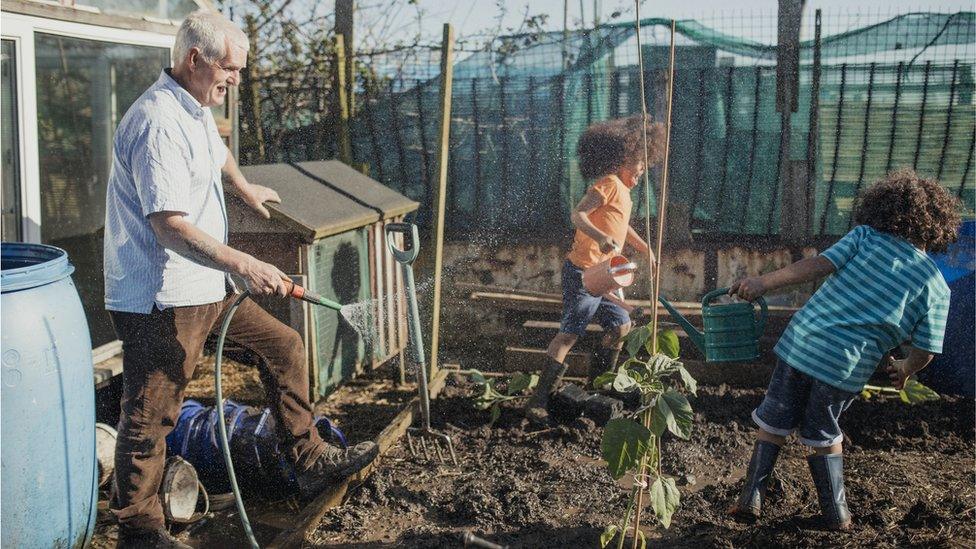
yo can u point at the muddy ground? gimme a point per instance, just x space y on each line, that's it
910 481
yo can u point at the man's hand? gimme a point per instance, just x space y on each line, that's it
263 278
256 195
607 245
749 289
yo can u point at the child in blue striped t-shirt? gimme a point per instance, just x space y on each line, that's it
883 291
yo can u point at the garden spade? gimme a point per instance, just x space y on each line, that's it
426 437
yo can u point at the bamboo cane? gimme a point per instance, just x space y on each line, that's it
655 281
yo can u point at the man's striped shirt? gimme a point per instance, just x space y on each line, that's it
885 291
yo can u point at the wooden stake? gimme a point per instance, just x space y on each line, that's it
662 203
440 198
344 13
345 143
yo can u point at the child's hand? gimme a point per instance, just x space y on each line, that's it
748 289
608 245
898 372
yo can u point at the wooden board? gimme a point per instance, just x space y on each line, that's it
312 513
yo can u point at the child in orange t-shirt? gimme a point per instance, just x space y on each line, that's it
611 153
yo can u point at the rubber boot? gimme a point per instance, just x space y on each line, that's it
828 477
535 409
749 504
603 360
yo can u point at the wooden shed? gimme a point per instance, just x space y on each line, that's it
328 234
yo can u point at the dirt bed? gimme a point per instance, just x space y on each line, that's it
910 481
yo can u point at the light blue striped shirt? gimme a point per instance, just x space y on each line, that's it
885 291
167 156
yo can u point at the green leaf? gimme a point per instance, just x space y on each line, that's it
660 362
689 381
603 380
665 499
914 393
624 443
496 412
659 419
623 382
520 382
477 377
608 534
675 411
667 343
636 339
643 540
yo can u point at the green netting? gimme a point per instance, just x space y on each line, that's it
891 94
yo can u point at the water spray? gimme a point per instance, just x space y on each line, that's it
296 292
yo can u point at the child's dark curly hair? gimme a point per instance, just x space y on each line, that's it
606 146
919 210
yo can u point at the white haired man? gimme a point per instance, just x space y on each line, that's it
167 278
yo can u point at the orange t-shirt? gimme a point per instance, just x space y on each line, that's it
612 218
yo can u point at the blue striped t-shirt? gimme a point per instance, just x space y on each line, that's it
884 291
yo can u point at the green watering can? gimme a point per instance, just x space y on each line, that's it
731 330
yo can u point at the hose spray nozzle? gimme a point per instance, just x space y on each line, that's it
299 292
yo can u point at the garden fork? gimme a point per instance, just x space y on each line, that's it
423 433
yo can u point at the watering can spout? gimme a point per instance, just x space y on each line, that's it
697 338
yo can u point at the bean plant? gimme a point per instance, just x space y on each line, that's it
913 393
633 444
491 394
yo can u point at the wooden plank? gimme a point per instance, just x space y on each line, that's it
106 370
590 328
312 513
523 359
444 144
524 301
89 16
554 325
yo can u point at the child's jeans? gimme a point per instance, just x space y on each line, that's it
796 401
579 307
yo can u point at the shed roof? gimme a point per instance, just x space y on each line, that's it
319 199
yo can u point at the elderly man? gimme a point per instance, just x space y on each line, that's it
167 278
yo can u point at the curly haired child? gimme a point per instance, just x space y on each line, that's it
612 153
883 290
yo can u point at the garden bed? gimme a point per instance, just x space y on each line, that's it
910 481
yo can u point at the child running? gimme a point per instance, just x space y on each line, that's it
884 290
610 152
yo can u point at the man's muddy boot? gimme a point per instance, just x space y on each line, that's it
604 359
828 477
535 409
335 464
159 538
749 504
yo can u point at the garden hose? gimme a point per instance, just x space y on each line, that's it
296 292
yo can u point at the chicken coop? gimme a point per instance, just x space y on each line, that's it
328 235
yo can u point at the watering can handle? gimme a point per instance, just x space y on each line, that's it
410 240
763 309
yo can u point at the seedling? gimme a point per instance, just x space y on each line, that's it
491 396
628 444
913 393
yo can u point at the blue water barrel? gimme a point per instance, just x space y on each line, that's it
953 372
49 481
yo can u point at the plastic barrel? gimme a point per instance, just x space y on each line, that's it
952 372
49 478
260 464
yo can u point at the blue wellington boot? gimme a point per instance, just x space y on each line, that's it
749 504
828 477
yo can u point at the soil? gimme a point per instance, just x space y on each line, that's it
910 482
